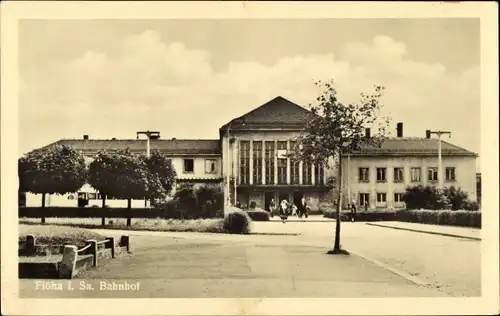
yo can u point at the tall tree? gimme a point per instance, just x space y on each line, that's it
162 175
57 169
120 174
337 130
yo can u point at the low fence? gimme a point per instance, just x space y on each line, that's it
73 260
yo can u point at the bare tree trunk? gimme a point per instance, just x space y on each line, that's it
43 206
336 247
103 219
129 207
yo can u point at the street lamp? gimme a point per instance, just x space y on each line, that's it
227 201
440 159
150 135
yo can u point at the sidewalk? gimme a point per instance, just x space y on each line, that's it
450 231
310 218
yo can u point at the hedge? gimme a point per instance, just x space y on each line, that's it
441 217
90 212
258 215
362 216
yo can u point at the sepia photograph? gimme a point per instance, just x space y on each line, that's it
211 155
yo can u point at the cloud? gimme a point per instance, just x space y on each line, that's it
173 88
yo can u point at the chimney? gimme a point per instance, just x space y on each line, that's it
428 134
367 132
399 129
86 137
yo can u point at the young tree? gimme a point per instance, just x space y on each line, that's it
337 130
52 170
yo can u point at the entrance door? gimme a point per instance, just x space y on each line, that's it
283 196
268 196
297 197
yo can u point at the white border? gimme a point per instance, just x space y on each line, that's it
487 12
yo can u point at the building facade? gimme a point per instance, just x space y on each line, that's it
250 160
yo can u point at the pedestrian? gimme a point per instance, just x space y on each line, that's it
284 210
294 209
272 207
353 211
304 208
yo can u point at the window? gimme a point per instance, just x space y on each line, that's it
320 174
245 162
381 198
381 175
306 173
92 196
294 167
398 197
257 162
432 174
398 174
415 174
450 174
269 161
282 162
210 165
364 199
364 174
188 165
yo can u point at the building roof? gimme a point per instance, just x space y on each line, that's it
167 146
410 146
279 112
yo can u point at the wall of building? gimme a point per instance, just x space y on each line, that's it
465 176
199 172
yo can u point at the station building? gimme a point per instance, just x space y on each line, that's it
250 162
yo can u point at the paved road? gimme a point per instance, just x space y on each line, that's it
168 267
219 265
452 264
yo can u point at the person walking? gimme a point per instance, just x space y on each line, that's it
284 210
353 211
272 207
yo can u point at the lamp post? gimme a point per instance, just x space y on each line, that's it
227 200
150 135
440 158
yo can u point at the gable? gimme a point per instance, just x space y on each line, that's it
277 112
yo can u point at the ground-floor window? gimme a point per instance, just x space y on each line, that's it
381 198
398 197
364 199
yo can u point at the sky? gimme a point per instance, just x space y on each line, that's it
186 78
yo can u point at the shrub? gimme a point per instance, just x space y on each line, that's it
456 197
258 215
471 206
185 201
428 197
237 222
210 201
442 217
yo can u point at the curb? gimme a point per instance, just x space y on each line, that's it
426 232
389 268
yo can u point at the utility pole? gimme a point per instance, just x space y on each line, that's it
440 158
